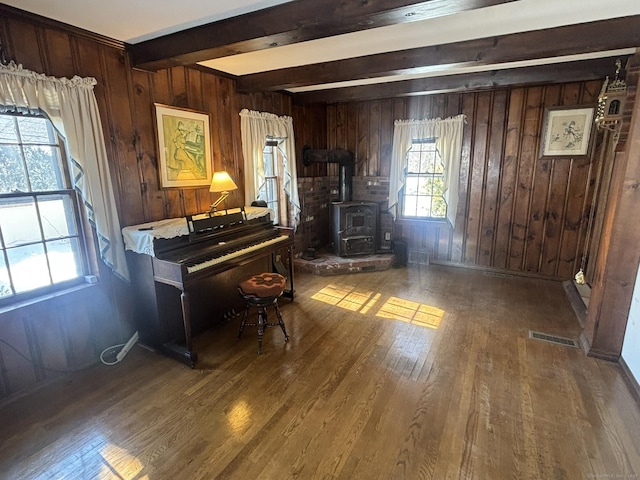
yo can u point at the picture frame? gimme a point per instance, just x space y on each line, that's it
566 131
184 147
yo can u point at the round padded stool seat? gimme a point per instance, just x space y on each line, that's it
263 285
262 291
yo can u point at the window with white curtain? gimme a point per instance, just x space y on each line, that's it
426 172
423 192
268 143
271 190
71 107
41 238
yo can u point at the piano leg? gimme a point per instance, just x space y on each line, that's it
286 272
183 353
186 317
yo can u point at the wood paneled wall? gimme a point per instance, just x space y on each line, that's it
65 332
197 90
50 334
517 212
618 248
202 91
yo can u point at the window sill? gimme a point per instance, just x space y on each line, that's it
46 297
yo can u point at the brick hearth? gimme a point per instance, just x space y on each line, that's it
328 264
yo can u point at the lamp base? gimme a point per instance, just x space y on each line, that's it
222 198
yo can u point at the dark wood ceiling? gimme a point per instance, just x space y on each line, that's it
288 23
304 20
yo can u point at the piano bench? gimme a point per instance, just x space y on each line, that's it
262 291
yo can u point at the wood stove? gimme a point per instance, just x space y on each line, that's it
354 228
355 224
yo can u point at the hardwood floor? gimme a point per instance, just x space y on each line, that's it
353 395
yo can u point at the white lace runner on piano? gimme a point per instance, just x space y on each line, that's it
139 238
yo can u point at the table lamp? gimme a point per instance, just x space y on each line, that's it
221 183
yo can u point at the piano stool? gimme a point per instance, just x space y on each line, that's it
262 291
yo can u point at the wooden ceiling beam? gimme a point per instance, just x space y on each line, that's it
568 40
285 24
544 74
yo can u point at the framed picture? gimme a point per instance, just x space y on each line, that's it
566 131
184 147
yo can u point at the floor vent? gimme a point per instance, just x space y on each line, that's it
498 275
567 342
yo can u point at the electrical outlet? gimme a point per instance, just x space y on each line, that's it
387 236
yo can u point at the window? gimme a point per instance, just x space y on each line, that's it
260 132
41 243
271 191
423 195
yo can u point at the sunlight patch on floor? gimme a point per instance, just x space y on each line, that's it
370 303
411 312
394 308
118 461
239 417
346 297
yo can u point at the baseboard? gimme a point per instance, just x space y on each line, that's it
577 304
501 271
630 379
19 395
595 353
584 343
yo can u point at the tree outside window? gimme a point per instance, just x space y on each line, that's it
423 195
41 243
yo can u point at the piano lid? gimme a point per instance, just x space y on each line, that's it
139 238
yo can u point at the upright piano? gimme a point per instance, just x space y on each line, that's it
185 271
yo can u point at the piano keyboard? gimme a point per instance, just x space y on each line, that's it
228 256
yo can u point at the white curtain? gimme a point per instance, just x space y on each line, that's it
448 137
255 127
71 106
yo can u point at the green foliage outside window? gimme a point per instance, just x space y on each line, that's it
424 182
40 240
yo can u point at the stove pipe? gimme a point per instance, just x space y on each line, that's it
341 157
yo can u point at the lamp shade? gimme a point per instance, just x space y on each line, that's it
222 182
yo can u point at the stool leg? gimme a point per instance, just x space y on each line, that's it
261 322
244 321
280 321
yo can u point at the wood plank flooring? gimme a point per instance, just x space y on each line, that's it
414 373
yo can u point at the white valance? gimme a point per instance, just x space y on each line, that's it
71 106
448 137
255 127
